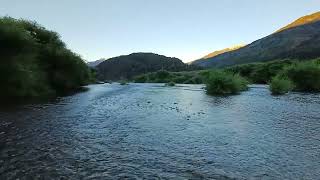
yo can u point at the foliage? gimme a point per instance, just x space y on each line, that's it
280 85
36 63
170 83
141 79
162 74
223 83
304 75
260 73
190 77
123 83
283 76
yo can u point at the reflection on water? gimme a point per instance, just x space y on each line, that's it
150 131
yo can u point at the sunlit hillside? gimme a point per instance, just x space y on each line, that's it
302 21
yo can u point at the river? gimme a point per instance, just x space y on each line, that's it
148 131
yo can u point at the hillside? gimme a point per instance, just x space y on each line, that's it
128 66
302 21
216 53
93 64
294 41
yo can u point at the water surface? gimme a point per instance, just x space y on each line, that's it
154 132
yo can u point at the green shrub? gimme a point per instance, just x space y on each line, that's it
165 77
180 79
222 83
280 85
305 76
194 80
162 74
260 73
241 82
170 84
204 72
123 83
141 79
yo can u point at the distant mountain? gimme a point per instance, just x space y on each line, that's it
95 63
128 66
216 53
298 40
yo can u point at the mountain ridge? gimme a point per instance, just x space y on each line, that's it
302 41
95 63
218 52
302 21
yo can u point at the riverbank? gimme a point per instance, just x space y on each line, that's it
282 75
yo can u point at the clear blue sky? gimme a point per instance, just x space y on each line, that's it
187 29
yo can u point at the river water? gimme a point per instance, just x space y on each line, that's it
148 131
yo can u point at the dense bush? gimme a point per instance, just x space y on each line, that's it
280 85
162 74
260 73
222 83
300 76
166 77
304 75
180 79
141 78
123 83
36 63
170 84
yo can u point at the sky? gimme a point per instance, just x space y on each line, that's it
186 29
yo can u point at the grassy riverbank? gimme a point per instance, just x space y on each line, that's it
283 76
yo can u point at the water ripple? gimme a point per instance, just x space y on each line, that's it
149 131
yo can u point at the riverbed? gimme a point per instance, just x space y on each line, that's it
149 131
